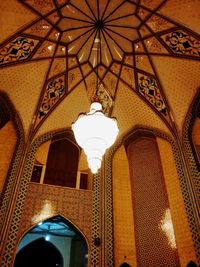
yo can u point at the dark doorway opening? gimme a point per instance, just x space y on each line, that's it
53 242
39 253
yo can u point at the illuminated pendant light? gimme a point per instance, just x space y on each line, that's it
95 132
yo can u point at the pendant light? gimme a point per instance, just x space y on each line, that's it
95 132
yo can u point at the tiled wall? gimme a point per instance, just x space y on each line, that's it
124 236
155 243
45 201
182 232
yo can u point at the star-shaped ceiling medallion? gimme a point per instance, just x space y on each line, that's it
112 41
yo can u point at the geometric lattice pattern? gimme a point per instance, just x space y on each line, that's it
183 178
109 223
194 177
11 180
48 205
111 41
32 212
12 233
188 195
67 34
96 221
109 250
150 205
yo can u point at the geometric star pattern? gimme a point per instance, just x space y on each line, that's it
100 44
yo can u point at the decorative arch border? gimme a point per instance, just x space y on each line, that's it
49 217
191 158
12 234
187 196
193 112
11 182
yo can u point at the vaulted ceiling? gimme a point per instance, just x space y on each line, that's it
144 54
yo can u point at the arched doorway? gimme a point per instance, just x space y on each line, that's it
39 253
125 264
53 242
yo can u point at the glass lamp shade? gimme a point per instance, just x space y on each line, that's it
95 132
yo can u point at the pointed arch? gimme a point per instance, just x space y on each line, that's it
62 163
10 126
60 166
173 171
14 226
193 164
10 121
125 264
192 119
39 253
63 234
150 202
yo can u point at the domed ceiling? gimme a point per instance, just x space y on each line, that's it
139 58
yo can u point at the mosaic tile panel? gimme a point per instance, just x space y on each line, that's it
182 43
109 249
109 235
105 99
74 205
138 112
17 50
150 204
194 173
148 87
12 234
182 231
123 223
54 91
96 221
193 160
11 237
9 190
188 197
91 80
110 82
183 180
